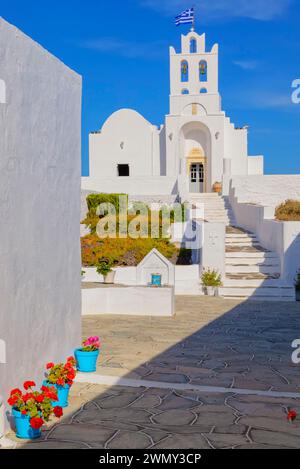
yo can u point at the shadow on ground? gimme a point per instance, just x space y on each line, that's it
210 342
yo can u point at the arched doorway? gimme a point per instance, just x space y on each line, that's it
196 150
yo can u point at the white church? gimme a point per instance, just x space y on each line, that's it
195 148
199 156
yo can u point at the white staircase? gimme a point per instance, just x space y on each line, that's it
216 208
252 272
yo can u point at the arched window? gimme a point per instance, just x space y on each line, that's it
203 70
193 46
184 71
203 90
185 91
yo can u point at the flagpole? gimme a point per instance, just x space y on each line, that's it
193 25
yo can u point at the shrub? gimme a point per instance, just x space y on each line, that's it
128 251
288 211
94 200
211 278
104 266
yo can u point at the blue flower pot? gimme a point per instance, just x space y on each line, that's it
23 428
86 361
62 394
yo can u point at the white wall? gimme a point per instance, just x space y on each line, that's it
266 190
280 237
186 278
40 165
131 301
156 185
125 138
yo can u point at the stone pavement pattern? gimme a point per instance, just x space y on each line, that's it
211 342
139 418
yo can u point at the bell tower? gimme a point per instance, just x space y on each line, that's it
194 75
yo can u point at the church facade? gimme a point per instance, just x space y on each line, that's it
196 147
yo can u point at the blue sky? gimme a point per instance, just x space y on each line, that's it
121 50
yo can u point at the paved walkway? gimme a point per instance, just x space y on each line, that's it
211 342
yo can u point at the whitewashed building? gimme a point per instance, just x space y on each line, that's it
40 146
196 147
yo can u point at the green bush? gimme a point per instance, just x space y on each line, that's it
104 266
211 278
94 200
288 211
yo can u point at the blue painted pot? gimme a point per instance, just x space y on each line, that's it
23 428
62 394
156 280
86 361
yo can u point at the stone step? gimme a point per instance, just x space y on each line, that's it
230 236
259 255
242 242
264 291
252 261
254 283
260 298
252 269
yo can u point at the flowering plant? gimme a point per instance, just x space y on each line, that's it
62 373
35 404
92 344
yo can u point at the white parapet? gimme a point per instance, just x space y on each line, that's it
132 300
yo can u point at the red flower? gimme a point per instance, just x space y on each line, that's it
29 384
40 398
292 415
13 400
71 360
16 392
71 375
24 412
52 395
50 365
36 423
60 382
27 397
70 383
58 412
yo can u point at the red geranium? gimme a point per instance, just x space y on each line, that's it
16 392
50 365
63 373
13 400
40 398
27 397
29 384
291 415
36 423
58 412
36 404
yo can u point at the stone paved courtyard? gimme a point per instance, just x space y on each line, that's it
243 347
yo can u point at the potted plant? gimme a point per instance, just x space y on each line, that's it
61 377
104 268
30 410
87 355
297 286
217 187
211 280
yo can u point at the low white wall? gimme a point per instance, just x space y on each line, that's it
266 190
133 301
139 186
186 278
280 237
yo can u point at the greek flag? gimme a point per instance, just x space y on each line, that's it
186 17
